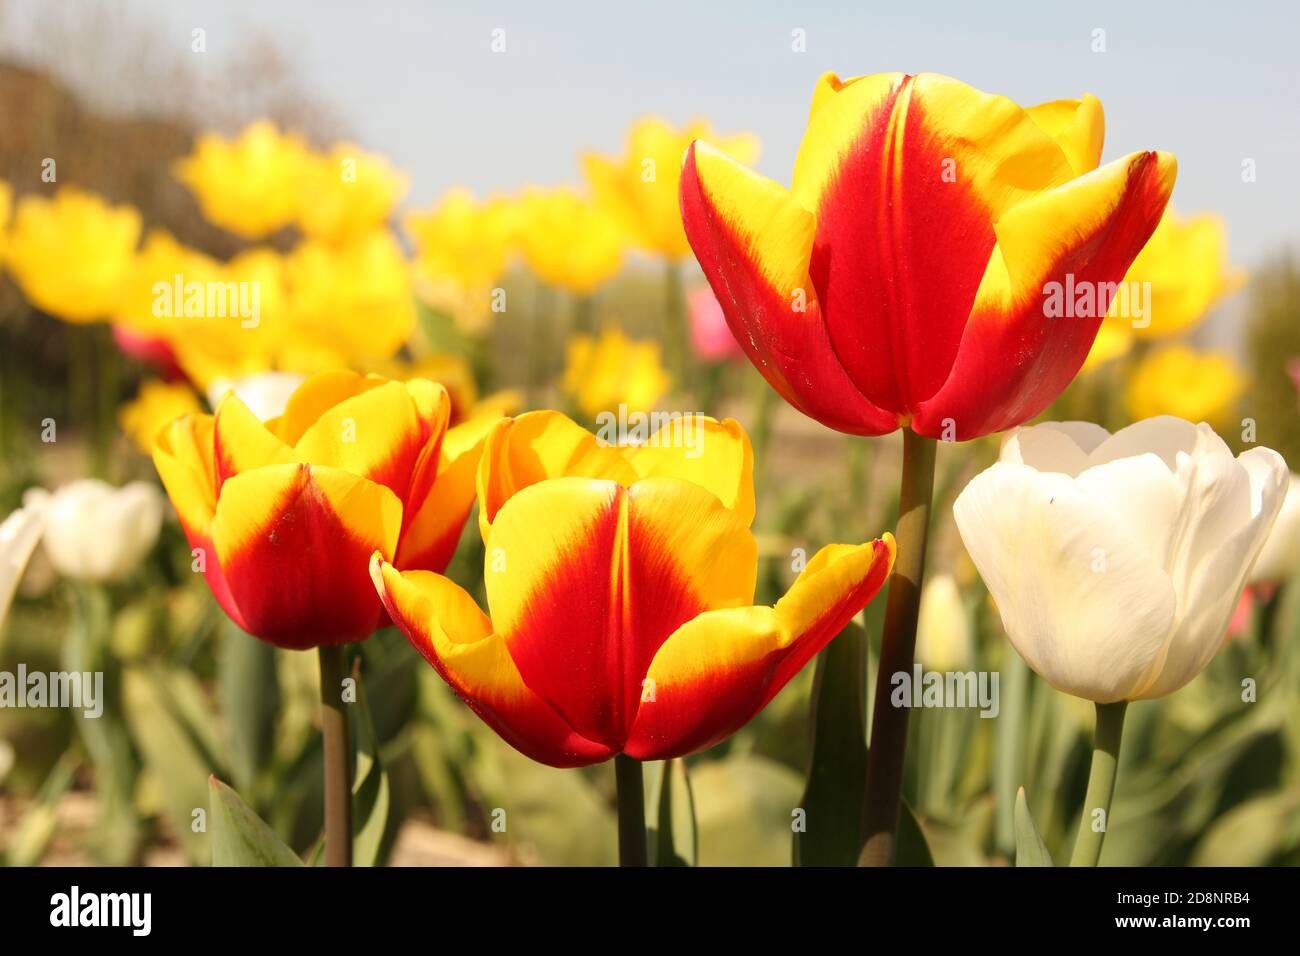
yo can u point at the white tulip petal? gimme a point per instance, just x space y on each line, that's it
1280 557
18 536
1163 435
1054 446
1142 496
1082 603
1218 502
1217 582
97 532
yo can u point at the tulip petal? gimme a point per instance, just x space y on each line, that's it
1054 446
444 624
184 456
753 241
586 579
906 177
382 433
1077 126
294 542
536 446
716 455
434 518
1014 360
241 441
1215 585
1083 603
316 396
718 670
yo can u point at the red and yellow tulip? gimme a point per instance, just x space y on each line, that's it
286 514
900 281
620 581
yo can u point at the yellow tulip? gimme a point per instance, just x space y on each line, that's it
216 347
603 373
348 193
70 254
568 240
1185 266
640 187
462 249
1175 380
251 185
146 304
158 404
356 297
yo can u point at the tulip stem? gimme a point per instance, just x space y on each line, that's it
889 723
1101 784
678 360
632 847
338 771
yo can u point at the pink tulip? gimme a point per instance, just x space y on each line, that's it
710 336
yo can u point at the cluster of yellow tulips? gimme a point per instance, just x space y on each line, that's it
943 262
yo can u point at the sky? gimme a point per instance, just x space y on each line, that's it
1216 84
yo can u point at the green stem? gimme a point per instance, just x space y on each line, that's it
632 848
338 771
1009 750
678 359
889 723
1101 783
584 315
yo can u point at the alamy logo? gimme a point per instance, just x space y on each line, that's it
1081 299
179 299
922 688
75 690
74 908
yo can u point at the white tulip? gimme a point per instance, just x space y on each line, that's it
18 536
1280 558
95 532
266 394
1116 560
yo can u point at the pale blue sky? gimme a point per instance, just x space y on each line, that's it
1213 83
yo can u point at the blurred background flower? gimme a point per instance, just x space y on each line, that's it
640 186
70 254
96 532
1177 380
250 185
612 370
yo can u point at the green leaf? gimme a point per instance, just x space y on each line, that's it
170 752
1030 848
118 832
239 836
1259 832
913 849
672 833
370 794
249 693
831 834
34 830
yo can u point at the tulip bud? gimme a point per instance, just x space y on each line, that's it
943 632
